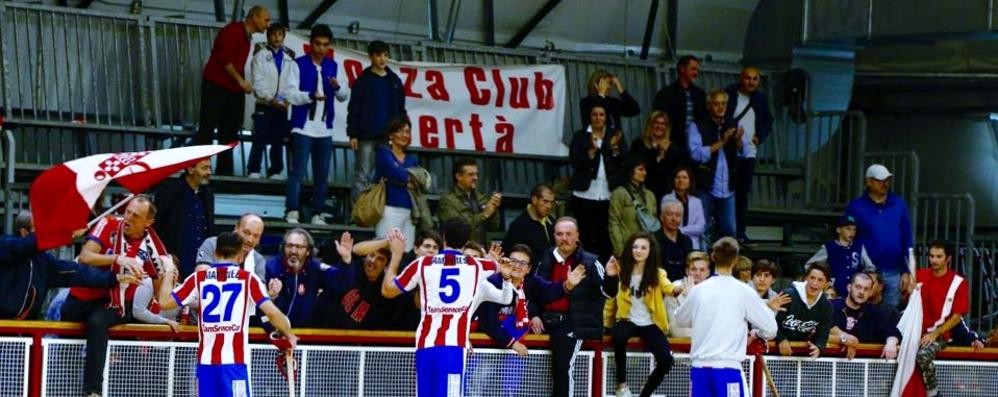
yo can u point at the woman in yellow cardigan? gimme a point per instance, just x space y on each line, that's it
638 309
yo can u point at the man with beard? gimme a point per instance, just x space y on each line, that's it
856 321
295 279
186 215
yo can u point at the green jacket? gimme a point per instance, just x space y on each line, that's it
454 204
623 220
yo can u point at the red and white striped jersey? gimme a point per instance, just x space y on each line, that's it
453 286
226 291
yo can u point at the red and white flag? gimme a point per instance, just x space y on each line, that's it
908 378
62 196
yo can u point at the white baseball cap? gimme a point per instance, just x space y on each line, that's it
878 172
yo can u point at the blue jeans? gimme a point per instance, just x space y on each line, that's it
321 150
720 213
363 165
892 287
270 126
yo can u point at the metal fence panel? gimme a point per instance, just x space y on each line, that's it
675 383
984 305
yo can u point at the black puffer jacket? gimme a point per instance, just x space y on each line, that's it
585 301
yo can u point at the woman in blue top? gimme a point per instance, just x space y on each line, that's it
393 163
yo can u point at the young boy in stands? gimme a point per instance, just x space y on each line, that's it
843 255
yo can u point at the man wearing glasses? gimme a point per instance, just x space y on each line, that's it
296 277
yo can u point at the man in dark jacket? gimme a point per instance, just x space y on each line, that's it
683 101
535 226
376 97
295 279
579 315
856 321
714 143
27 273
748 108
186 215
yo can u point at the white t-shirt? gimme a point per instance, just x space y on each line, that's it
599 188
315 123
747 123
639 314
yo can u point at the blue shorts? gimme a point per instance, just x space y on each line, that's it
717 382
223 380
440 371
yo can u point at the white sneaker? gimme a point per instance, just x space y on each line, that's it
276 177
291 217
624 392
254 175
317 220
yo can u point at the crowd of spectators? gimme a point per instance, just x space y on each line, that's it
645 215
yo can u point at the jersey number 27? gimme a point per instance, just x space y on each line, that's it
214 296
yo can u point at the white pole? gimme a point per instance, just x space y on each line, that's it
109 211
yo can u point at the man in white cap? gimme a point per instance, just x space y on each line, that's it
884 228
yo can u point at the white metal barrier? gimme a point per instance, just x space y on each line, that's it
14 369
676 382
143 368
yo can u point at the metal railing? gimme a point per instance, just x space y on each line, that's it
829 146
984 308
7 162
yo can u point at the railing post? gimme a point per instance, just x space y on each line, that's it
8 204
597 377
758 376
35 373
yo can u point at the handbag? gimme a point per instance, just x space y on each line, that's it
370 205
646 220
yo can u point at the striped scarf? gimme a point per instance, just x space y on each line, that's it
148 250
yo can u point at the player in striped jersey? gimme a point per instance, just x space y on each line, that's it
453 286
226 292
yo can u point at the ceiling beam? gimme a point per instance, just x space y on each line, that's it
532 23
433 16
489 9
316 13
649 28
455 10
219 10
282 13
85 4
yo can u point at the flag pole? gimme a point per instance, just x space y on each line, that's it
110 210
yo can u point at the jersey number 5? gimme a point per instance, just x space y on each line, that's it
213 295
448 280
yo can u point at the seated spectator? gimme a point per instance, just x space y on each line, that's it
464 201
250 228
600 84
597 158
697 270
145 307
632 207
674 244
428 242
474 250
660 154
27 273
638 310
295 278
743 269
962 335
360 304
535 226
763 273
684 190
855 321
809 315
843 255
714 144
507 324
392 162
877 298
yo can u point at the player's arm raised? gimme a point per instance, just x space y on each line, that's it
396 242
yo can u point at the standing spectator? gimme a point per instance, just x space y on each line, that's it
600 84
535 226
464 201
855 321
748 107
661 155
273 67
884 230
597 158
697 270
674 244
684 191
809 317
763 273
186 215
250 229
578 316
945 301
223 86
638 310
312 123
843 255
629 203
683 101
27 273
393 164
296 278
377 96
714 144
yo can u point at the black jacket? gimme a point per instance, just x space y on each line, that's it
672 100
763 117
799 323
586 301
660 172
870 324
26 275
615 107
170 215
584 169
362 98
710 133
491 315
526 230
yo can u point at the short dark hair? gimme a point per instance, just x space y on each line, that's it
376 47
764 266
462 162
689 173
685 60
473 245
539 189
396 124
632 164
429 234
821 267
725 252
276 27
943 245
523 249
228 245
455 232
320 31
